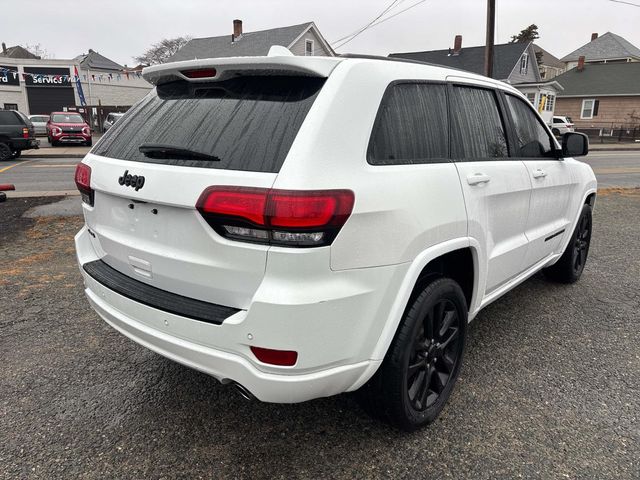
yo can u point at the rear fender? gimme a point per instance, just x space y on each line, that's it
406 288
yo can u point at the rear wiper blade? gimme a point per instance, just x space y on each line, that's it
158 150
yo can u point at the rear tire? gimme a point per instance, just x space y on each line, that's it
420 369
5 152
556 132
571 264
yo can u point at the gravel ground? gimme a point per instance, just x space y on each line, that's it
550 386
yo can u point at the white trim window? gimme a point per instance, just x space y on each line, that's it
531 96
309 47
588 105
524 63
550 104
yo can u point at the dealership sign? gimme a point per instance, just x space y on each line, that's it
8 76
47 77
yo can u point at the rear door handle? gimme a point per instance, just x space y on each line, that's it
539 173
478 178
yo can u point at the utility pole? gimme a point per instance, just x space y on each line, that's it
491 27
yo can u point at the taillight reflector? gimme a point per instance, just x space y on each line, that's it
309 209
241 202
83 182
25 133
302 218
284 358
199 73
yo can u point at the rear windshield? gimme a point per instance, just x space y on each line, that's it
67 118
8 118
247 123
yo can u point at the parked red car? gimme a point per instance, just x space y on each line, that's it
68 127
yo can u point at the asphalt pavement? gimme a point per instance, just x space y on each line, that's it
55 175
549 388
615 169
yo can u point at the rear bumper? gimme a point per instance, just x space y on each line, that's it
226 367
335 336
25 143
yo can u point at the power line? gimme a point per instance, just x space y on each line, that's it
362 29
626 3
382 21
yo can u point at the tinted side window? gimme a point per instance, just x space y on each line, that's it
532 138
9 118
411 126
476 127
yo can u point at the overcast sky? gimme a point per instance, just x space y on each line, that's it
120 29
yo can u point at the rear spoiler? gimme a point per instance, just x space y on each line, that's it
279 61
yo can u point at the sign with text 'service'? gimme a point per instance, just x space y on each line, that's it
47 77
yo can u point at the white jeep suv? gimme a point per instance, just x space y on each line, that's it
304 226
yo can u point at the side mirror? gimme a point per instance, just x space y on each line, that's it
575 144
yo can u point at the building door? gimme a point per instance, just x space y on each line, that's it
44 100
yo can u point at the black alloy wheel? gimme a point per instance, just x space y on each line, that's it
581 241
435 355
421 366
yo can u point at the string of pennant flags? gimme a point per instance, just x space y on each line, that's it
50 78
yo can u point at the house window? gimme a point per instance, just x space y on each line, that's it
551 100
524 63
532 98
587 108
11 106
308 48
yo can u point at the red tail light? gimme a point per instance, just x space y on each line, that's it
25 133
301 218
83 182
284 358
200 73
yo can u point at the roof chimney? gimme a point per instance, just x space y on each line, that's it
457 45
580 63
594 36
4 47
237 29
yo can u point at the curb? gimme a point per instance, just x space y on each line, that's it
614 150
55 155
53 193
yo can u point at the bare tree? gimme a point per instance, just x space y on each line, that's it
161 51
38 50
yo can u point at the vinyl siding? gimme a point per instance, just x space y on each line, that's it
318 49
612 111
531 76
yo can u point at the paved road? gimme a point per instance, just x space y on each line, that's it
549 388
40 175
613 169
